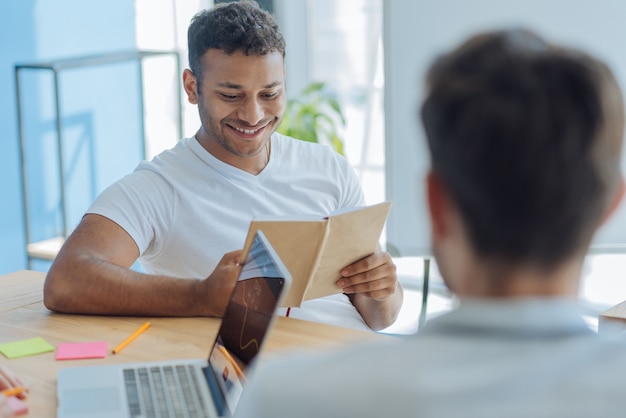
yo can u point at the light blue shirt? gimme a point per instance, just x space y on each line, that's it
523 358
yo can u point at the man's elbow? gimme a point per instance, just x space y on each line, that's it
55 295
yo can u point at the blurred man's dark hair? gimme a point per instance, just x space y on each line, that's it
527 138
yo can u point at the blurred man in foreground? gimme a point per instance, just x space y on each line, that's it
525 139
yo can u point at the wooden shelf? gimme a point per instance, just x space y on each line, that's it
45 250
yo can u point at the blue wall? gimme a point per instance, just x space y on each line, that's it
100 113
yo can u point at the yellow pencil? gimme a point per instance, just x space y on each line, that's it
17 390
131 338
232 361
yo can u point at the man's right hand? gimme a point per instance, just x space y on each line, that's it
220 284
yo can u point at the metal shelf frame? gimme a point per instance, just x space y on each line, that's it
47 250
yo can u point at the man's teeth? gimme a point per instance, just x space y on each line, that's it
248 131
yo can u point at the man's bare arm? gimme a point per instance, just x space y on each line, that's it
373 288
92 275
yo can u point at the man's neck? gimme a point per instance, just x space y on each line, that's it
495 280
252 164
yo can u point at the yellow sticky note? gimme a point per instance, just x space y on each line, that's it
25 347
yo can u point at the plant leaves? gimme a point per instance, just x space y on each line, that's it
313 117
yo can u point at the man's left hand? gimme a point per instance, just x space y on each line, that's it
373 276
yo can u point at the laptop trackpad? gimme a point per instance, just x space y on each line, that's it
81 401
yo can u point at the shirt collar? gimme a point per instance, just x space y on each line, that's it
515 318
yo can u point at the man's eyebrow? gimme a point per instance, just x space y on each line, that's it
229 85
272 85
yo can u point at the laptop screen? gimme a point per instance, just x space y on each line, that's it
246 322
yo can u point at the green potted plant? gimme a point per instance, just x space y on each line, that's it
315 116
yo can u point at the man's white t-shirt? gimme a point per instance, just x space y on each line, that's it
185 209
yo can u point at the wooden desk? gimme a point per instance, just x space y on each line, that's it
22 315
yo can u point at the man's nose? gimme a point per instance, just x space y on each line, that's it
251 112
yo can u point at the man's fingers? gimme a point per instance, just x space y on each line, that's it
366 264
370 286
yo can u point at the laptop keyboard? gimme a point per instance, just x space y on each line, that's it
163 392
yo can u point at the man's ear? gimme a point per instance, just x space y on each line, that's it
615 202
191 86
438 205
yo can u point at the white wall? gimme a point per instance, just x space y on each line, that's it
416 31
292 17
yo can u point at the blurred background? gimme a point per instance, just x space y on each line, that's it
80 107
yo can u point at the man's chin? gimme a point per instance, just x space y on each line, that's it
249 152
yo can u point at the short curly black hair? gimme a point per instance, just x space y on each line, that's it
230 27
527 137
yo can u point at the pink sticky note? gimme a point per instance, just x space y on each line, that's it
18 407
75 351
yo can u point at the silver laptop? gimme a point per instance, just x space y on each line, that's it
188 388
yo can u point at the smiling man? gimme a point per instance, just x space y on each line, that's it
185 214
241 104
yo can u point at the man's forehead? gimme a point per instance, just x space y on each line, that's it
238 70
216 58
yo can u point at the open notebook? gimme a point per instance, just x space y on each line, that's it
188 388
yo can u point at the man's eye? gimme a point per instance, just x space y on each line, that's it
229 96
